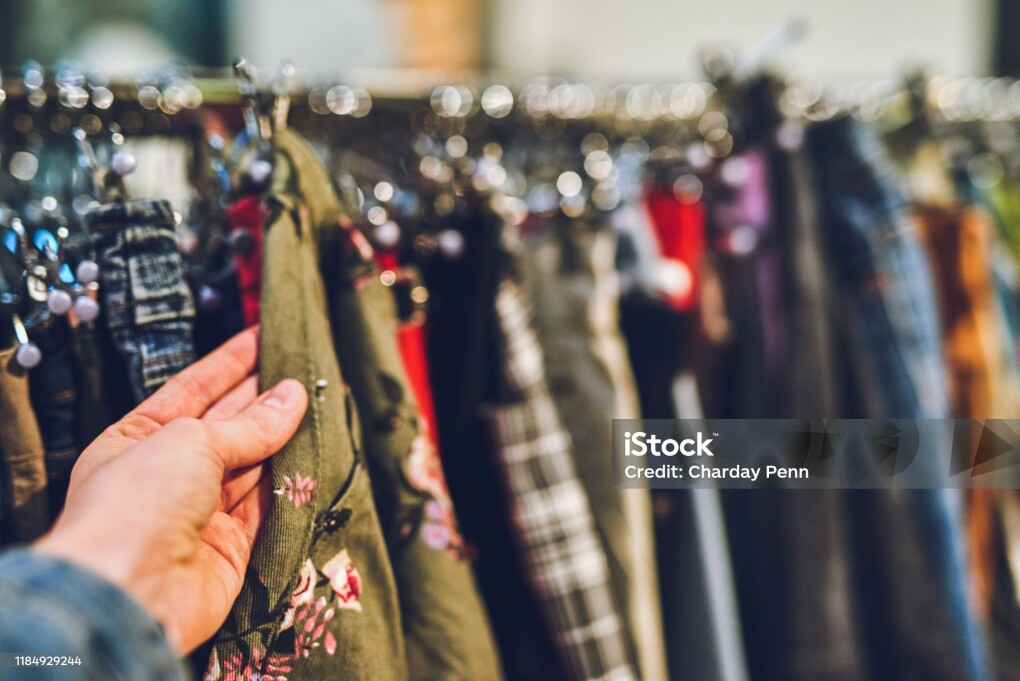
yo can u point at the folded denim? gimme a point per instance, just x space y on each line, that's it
146 301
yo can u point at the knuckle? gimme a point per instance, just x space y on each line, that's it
136 425
188 384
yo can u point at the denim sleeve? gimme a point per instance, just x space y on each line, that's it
51 607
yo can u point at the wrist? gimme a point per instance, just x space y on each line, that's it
115 561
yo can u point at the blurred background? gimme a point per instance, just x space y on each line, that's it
750 248
596 39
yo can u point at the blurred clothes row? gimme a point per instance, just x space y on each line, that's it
799 281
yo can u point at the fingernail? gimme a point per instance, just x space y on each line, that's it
282 395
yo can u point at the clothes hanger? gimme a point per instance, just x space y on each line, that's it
26 297
67 288
281 86
252 154
107 180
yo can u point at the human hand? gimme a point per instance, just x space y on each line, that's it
167 502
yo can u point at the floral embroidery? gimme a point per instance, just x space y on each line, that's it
299 490
310 629
238 669
423 468
424 471
439 529
212 670
304 592
345 580
308 619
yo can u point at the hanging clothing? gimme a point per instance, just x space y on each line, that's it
245 216
569 271
447 633
908 543
820 585
959 243
749 368
319 599
463 363
550 511
681 244
147 304
54 400
93 408
701 624
411 341
25 509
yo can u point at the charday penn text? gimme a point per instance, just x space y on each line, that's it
703 472
639 444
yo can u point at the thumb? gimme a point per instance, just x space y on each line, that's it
262 428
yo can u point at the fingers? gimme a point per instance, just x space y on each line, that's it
191 392
237 399
252 510
239 482
262 428
187 394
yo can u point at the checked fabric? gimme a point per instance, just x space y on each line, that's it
550 512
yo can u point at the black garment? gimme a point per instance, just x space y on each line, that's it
462 361
54 399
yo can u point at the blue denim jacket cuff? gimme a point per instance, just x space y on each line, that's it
52 607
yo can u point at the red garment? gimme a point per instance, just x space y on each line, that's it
412 348
246 214
680 230
411 339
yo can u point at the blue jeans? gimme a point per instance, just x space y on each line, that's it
910 545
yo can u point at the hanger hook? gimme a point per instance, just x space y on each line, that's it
282 85
247 83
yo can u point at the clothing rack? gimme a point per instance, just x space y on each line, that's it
955 99
770 230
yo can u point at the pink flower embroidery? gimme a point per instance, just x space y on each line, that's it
424 471
439 529
238 669
423 468
309 619
304 592
310 629
212 670
299 490
345 580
